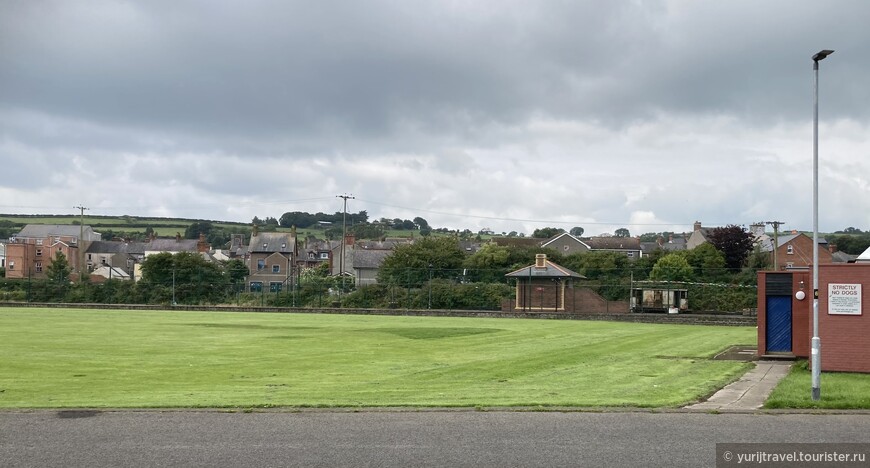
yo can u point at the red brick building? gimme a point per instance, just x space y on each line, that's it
29 252
785 315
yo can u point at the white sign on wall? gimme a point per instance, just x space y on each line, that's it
844 299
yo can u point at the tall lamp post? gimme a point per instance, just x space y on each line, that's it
816 343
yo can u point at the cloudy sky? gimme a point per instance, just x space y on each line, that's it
511 115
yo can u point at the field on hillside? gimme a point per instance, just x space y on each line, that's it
98 358
168 227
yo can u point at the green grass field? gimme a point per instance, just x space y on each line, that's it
839 390
88 358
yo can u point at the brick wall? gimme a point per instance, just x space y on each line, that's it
577 301
845 338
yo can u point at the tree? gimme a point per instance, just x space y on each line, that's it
489 264
734 242
193 278
671 267
367 231
608 272
195 229
707 262
414 264
59 269
576 231
547 232
421 223
622 232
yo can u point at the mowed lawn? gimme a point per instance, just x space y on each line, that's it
144 359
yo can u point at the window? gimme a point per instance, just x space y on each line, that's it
324 255
261 263
630 254
789 265
89 257
38 241
311 256
276 268
789 249
256 286
38 252
11 265
39 267
274 287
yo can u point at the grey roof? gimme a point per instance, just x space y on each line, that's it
549 270
99 247
172 245
272 242
565 234
369 258
613 243
66 230
843 257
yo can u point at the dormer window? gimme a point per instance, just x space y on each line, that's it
265 245
283 246
789 249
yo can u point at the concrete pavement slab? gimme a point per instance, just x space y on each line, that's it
750 391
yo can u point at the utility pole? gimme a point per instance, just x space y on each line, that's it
775 225
81 240
343 240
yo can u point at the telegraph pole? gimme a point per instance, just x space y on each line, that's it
343 239
775 225
81 240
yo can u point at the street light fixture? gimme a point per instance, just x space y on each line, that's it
816 343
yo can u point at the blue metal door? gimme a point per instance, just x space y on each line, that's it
778 329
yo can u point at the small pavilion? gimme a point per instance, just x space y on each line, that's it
543 286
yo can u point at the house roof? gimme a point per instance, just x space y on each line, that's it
549 270
613 243
171 245
66 230
864 256
113 247
272 242
369 258
564 234
110 272
842 257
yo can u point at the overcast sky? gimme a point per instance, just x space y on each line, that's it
511 115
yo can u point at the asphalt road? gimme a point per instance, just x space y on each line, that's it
399 439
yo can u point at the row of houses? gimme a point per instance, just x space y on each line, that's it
274 259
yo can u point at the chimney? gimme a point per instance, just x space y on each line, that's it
697 225
201 244
177 237
349 239
832 248
541 261
293 231
254 230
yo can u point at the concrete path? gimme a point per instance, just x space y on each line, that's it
750 391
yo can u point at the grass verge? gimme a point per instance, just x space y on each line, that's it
839 390
55 358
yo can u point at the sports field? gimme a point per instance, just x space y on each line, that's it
53 358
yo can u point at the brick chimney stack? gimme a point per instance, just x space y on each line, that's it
541 261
